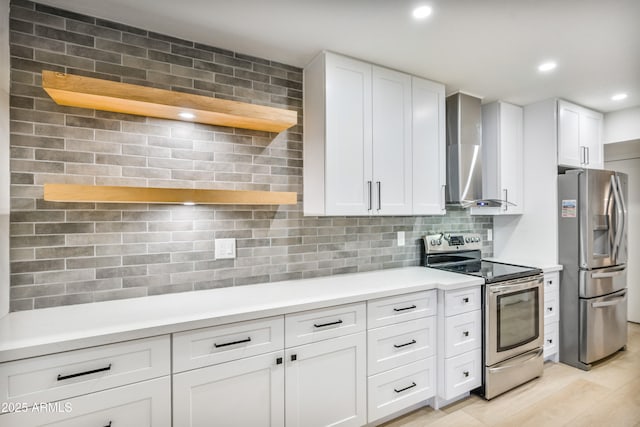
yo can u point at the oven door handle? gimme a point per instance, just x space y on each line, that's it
537 354
501 289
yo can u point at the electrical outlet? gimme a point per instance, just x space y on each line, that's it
225 248
400 238
489 235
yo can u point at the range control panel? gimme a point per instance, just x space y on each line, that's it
451 242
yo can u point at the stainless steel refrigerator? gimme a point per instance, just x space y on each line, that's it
592 227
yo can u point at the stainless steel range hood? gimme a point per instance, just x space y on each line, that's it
464 149
464 152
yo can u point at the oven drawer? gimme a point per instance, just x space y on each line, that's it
396 345
316 325
462 301
462 333
462 373
219 344
550 339
390 310
73 373
400 388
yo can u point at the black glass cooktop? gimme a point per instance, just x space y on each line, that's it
491 271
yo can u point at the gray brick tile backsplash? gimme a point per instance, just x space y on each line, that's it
67 253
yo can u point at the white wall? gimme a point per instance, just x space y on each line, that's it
4 157
632 168
623 125
532 238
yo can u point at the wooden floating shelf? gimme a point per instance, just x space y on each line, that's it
112 194
105 95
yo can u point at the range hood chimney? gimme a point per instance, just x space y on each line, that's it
464 150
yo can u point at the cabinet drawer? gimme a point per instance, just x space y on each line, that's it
550 339
551 307
144 404
387 311
397 345
324 323
462 333
210 346
462 373
551 283
462 301
73 373
400 388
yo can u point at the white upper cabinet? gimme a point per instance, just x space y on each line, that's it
373 140
392 142
347 156
579 136
502 158
429 156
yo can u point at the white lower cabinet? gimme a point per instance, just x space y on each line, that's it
144 404
551 316
401 353
459 343
325 383
245 392
321 367
319 383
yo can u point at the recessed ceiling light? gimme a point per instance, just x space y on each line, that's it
547 66
619 96
189 203
186 115
421 12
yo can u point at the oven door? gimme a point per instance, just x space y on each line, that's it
513 318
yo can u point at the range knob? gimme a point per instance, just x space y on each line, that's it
433 242
467 239
439 242
476 239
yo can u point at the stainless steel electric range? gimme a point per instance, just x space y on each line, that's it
512 310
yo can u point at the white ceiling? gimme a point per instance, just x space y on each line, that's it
490 48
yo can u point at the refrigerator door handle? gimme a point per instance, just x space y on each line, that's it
619 218
610 302
624 210
607 274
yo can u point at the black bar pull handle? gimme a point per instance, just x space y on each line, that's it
279 361
465 373
465 300
248 339
322 325
465 333
550 341
405 344
406 388
79 374
294 357
411 307
108 425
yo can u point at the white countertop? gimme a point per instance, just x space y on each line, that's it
37 332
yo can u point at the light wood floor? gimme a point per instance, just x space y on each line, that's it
608 395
